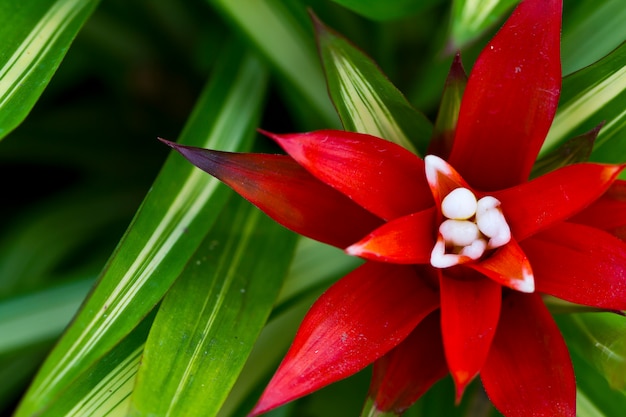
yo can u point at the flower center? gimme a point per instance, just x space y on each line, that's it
470 228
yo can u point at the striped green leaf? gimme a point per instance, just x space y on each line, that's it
386 10
106 386
471 18
591 30
601 339
366 100
35 37
209 321
277 31
172 221
591 96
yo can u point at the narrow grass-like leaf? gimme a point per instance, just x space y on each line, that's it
277 33
601 339
590 31
35 37
35 318
105 388
208 322
366 100
591 96
471 18
594 397
315 267
576 149
172 221
386 10
448 114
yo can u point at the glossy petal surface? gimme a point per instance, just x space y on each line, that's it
510 98
381 176
580 264
406 240
470 307
608 212
528 371
508 266
358 320
287 193
554 197
405 373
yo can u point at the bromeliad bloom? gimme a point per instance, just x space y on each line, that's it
458 247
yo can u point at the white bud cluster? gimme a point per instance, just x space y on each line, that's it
471 227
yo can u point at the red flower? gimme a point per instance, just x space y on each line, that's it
457 252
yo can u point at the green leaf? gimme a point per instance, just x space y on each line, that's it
273 28
448 114
594 397
35 37
315 266
577 149
172 221
386 10
471 18
589 97
601 339
105 388
366 100
591 30
211 317
41 316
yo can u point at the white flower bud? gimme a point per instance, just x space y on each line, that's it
459 204
459 232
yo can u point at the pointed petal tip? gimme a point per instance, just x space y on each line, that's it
527 283
355 250
167 142
461 381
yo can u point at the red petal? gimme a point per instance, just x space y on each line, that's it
528 371
551 198
287 193
508 266
358 320
407 240
607 213
405 373
470 307
379 175
510 99
442 178
580 264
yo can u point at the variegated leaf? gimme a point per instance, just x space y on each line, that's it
172 221
35 37
592 96
366 100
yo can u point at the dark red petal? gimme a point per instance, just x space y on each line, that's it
405 373
510 98
358 320
607 213
379 175
508 266
528 371
554 197
580 264
470 308
287 193
406 240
